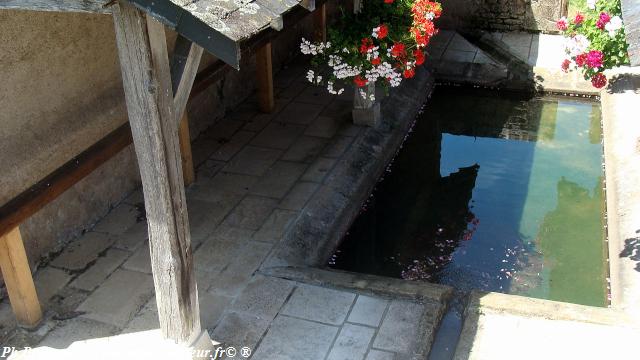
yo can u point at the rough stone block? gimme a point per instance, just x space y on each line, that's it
299 113
131 239
380 355
212 307
352 343
290 338
278 135
298 196
324 127
403 317
305 149
224 188
275 226
368 310
221 248
117 299
263 297
315 95
140 260
253 160
121 218
49 281
319 304
251 212
103 267
318 171
209 169
240 329
278 179
82 251
145 319
235 276
229 149
78 329
337 146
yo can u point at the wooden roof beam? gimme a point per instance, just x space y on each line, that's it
83 6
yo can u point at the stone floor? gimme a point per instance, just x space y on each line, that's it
255 173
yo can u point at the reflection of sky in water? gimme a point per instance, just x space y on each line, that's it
516 187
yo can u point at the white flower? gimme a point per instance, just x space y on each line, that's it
310 76
375 32
576 45
613 25
591 4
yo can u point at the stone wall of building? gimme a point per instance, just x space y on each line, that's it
503 15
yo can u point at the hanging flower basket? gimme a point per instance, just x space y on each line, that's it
379 44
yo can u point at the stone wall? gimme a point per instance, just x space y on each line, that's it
503 15
61 92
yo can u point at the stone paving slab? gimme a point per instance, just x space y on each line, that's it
104 266
79 254
119 298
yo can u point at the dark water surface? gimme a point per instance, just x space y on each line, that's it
491 192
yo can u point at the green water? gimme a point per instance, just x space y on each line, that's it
491 192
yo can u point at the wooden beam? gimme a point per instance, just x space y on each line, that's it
17 278
23 206
86 6
320 23
264 73
188 171
184 68
147 85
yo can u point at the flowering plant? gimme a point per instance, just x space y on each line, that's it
383 41
595 40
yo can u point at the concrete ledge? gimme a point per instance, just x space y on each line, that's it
415 290
621 130
481 302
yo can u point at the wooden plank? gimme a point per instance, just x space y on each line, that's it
184 68
86 6
23 206
147 86
17 278
188 171
320 23
264 73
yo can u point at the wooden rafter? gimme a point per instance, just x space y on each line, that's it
86 6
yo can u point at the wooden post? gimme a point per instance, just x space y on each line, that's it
17 277
264 72
144 63
188 171
320 22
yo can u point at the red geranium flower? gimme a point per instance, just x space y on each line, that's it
603 20
578 19
375 61
388 1
409 73
359 81
419 55
383 30
366 45
599 80
581 59
562 24
595 59
565 65
397 49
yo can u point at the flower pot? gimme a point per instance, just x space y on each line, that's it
366 107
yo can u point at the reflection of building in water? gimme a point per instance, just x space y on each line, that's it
497 117
412 224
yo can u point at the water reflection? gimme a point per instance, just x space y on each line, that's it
488 193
